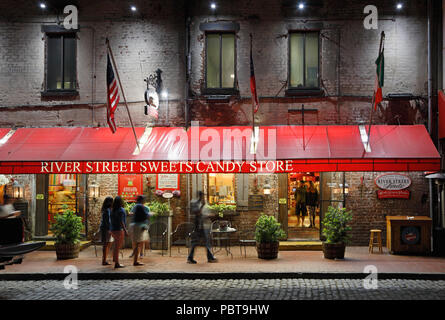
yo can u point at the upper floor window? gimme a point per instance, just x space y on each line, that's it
61 62
304 60
220 61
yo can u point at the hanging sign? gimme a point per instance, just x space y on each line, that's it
167 182
393 181
129 186
393 186
393 194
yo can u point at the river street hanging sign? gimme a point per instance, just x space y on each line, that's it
394 186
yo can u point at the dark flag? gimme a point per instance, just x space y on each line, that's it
112 95
255 102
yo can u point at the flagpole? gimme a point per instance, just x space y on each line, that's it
253 106
382 38
122 90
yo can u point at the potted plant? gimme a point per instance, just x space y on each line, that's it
160 211
335 229
267 233
66 229
223 209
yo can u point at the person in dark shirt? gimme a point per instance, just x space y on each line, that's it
312 202
105 229
201 229
118 228
300 202
139 228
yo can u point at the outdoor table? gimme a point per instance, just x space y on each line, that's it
227 231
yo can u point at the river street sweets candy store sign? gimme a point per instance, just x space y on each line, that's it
394 186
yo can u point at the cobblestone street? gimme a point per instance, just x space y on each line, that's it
234 289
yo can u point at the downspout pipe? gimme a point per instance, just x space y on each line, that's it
430 102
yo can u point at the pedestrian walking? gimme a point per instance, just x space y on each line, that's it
312 202
105 229
202 228
7 210
118 228
139 228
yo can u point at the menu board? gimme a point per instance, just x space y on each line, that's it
167 182
130 186
256 202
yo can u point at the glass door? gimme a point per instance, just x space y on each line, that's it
333 188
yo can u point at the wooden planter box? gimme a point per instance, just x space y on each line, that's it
267 250
334 250
67 251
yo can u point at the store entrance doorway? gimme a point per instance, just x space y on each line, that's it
303 206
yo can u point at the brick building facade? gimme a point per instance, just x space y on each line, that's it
172 35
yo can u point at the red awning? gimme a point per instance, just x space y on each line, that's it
311 148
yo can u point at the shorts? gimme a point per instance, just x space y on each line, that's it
139 232
105 236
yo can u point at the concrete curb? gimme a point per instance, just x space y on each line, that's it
215 276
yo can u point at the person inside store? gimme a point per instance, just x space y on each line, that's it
118 228
300 202
202 228
139 228
105 229
7 210
312 202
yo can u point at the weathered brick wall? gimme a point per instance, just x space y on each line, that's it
369 212
141 42
155 36
270 22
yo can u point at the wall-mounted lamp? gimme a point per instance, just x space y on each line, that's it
42 5
213 6
399 6
133 8
94 190
267 188
301 6
18 190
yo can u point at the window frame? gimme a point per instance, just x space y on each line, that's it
303 90
61 35
221 90
234 190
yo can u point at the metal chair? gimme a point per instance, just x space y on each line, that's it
182 235
97 241
246 238
158 233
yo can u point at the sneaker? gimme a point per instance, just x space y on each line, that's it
191 261
212 260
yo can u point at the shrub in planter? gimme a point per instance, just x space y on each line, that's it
67 228
267 233
335 229
222 210
160 213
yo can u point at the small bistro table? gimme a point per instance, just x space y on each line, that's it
227 232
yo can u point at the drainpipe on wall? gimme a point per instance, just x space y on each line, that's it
430 101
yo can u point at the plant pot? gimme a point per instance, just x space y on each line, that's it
267 250
67 251
334 250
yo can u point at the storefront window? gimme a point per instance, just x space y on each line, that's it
221 188
62 191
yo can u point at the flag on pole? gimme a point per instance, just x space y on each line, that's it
112 95
255 102
379 79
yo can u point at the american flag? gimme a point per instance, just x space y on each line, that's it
255 102
112 95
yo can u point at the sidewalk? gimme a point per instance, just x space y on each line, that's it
288 263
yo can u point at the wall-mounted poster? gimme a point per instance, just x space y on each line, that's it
167 182
130 186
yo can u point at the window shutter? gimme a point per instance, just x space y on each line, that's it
242 191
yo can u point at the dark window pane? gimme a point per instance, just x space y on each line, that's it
228 61
297 60
311 60
54 63
303 60
69 60
213 60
